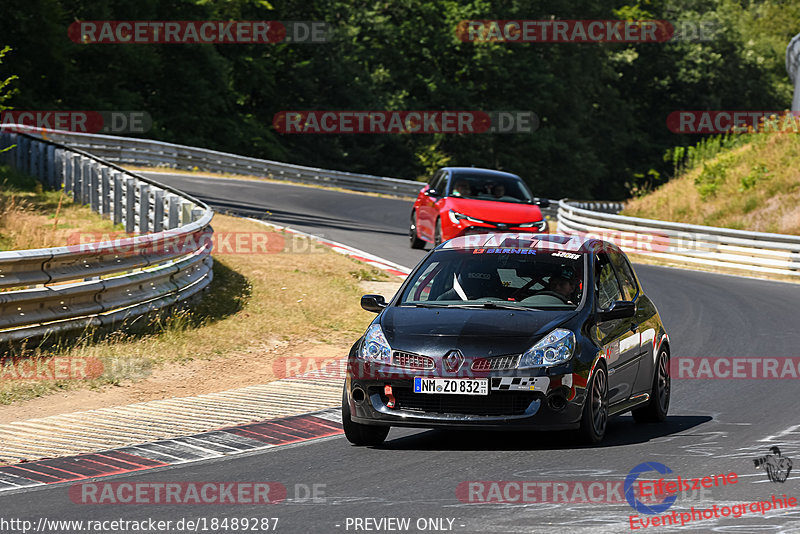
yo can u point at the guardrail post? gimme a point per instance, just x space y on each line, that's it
94 187
35 157
130 205
173 217
20 159
50 159
144 209
186 212
69 173
116 206
77 178
86 184
158 210
41 162
105 194
4 143
29 155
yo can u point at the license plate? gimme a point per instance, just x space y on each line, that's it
451 386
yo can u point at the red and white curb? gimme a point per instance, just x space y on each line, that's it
206 445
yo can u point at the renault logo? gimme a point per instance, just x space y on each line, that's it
453 360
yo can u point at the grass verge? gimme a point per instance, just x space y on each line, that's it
33 217
752 187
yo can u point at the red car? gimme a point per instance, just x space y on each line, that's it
465 200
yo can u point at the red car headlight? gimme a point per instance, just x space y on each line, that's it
539 225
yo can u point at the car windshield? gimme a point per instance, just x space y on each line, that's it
498 277
497 187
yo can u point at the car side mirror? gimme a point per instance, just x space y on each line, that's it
618 310
373 303
542 202
432 193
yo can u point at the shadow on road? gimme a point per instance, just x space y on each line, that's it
621 431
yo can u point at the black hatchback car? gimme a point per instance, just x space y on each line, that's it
529 331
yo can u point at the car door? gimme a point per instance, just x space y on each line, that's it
646 321
427 210
620 341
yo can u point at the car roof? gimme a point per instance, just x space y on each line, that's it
517 240
479 171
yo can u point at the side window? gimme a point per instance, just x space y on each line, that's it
438 182
607 286
422 289
625 274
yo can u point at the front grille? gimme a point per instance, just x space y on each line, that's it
411 360
505 403
499 363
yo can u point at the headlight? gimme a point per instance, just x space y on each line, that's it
553 349
539 225
375 348
456 217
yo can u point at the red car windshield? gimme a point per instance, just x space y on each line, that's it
497 188
544 279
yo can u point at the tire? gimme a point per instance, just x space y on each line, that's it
358 434
437 234
416 242
655 411
595 408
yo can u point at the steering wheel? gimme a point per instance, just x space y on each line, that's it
554 294
526 287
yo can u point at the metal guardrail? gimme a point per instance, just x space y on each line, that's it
143 152
146 153
687 244
46 291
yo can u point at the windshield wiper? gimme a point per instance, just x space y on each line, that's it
430 305
498 305
504 306
442 305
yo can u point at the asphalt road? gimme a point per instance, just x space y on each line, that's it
715 426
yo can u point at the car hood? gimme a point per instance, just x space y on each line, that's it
492 211
482 332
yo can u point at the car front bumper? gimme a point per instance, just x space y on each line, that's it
465 227
557 405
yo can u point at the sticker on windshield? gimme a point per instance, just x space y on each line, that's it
504 251
568 255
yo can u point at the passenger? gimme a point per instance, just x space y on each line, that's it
462 189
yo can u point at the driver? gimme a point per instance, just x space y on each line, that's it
564 283
461 188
